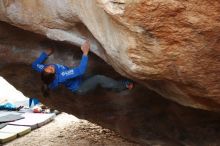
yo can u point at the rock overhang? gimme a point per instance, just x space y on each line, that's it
171 47
139 115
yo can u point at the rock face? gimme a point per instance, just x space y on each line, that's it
172 47
139 115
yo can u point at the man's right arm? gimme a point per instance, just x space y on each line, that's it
37 64
80 70
74 72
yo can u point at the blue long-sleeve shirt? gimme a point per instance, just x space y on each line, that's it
69 77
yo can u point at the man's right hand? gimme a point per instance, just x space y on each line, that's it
85 47
49 51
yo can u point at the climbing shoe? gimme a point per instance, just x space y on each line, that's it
129 84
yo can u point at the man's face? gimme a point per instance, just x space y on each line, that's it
49 69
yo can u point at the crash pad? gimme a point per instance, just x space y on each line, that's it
3 125
9 118
6 137
4 113
19 130
34 120
25 122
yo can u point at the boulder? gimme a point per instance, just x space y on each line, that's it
139 115
172 47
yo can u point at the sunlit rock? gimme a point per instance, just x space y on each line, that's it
171 47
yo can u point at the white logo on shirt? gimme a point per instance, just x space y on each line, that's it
66 73
40 66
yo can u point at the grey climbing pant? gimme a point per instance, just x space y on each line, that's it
102 81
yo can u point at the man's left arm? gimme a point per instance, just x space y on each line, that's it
38 63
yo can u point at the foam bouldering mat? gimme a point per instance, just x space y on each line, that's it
32 123
25 110
6 137
41 118
34 120
10 118
19 130
4 113
3 125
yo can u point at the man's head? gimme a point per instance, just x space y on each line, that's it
48 74
49 69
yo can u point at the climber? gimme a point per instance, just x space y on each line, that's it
54 75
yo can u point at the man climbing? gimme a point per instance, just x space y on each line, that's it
54 75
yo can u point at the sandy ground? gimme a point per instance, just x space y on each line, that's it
67 130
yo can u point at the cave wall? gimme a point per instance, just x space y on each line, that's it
169 46
139 115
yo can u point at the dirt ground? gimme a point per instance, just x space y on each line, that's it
67 130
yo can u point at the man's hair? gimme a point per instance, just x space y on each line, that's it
47 78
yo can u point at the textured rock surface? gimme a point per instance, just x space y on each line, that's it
170 46
140 115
